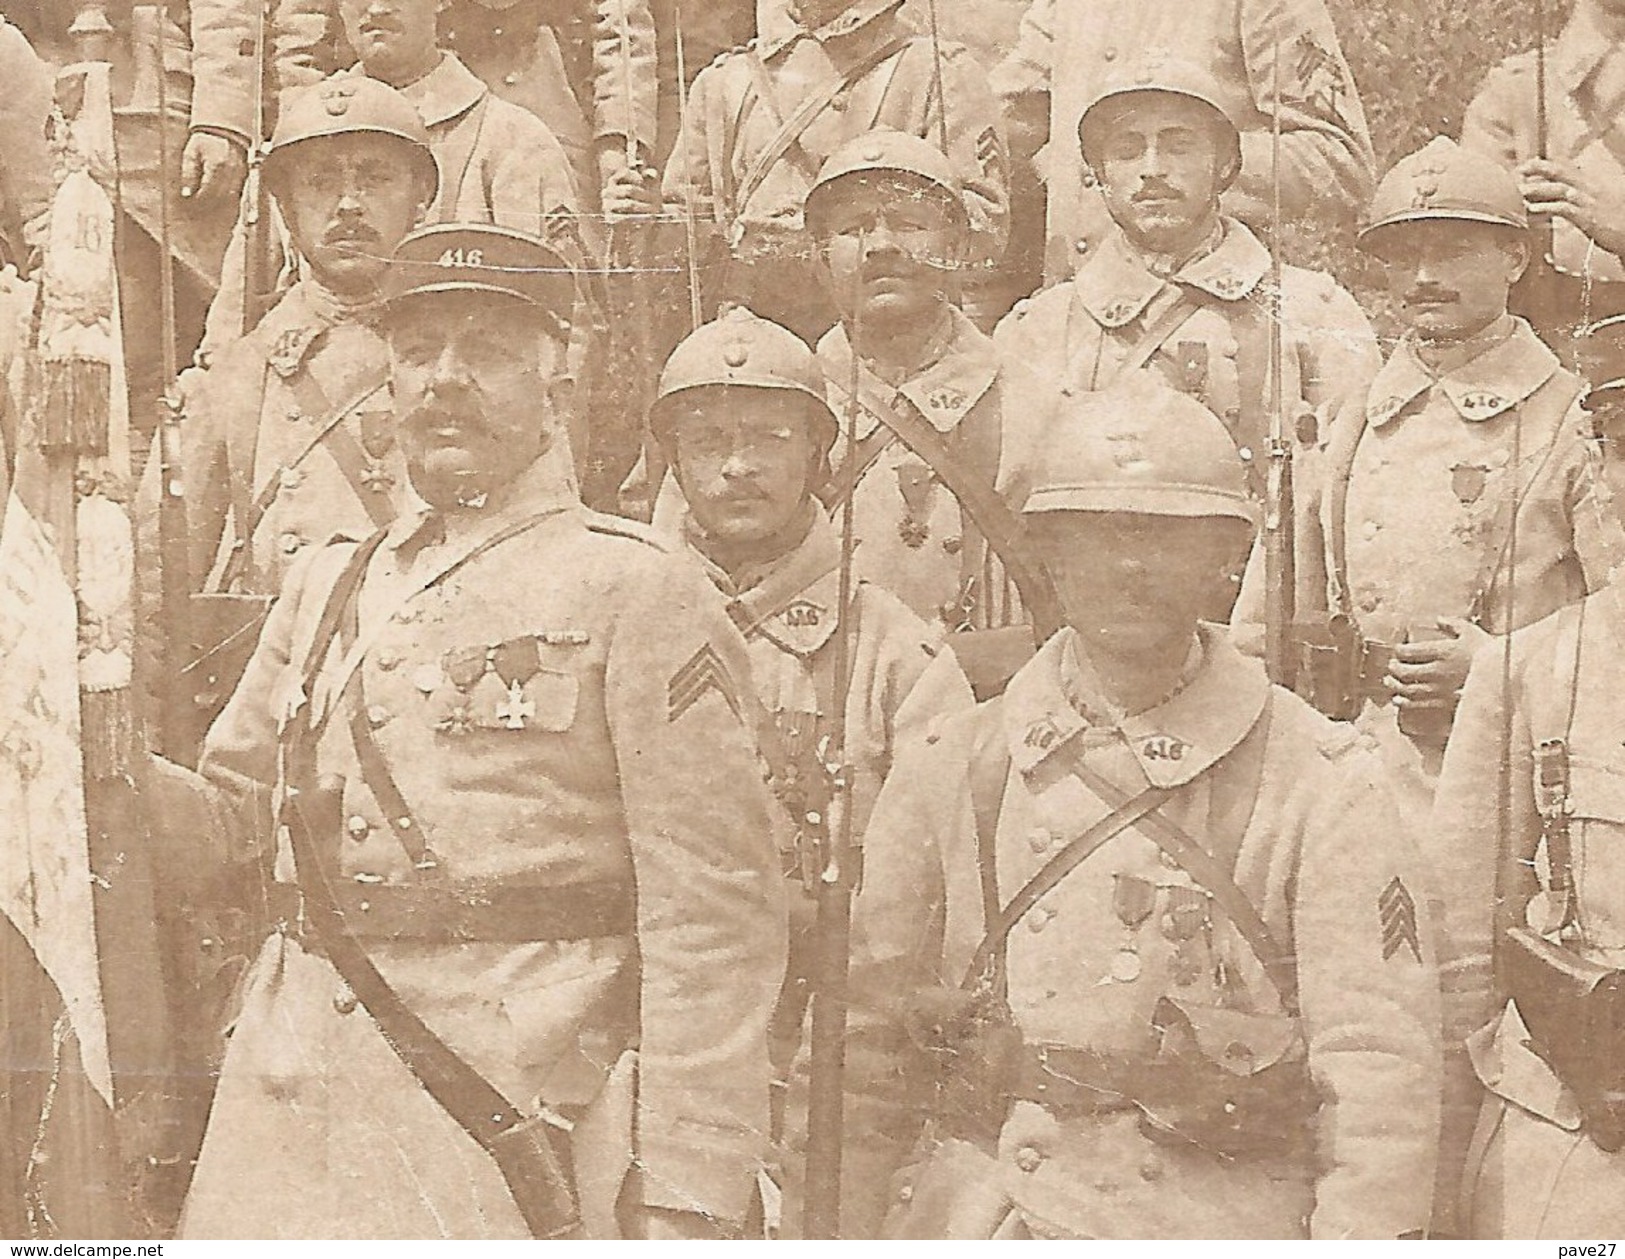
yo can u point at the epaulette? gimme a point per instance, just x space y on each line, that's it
621 527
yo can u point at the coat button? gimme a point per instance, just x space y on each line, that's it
953 545
1151 1169
1370 529
291 543
290 478
378 716
344 1000
906 1193
1110 54
1080 246
358 827
1039 918
1029 1158
295 415
388 660
1370 603
1039 840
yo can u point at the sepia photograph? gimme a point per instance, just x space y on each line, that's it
871 620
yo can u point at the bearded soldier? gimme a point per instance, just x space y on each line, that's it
1179 288
1268 63
540 923
1199 995
288 436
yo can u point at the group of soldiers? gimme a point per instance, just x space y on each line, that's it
702 715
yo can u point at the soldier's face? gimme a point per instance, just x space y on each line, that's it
478 379
1450 278
889 248
395 39
745 461
348 200
1162 163
1134 586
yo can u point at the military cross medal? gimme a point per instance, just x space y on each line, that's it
914 482
515 662
516 708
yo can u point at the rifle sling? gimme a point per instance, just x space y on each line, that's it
991 514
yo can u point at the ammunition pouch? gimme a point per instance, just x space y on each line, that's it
1331 665
1575 1013
1230 1083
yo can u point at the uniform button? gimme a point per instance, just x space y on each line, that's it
1081 246
378 716
1039 840
511 78
1029 1158
388 660
953 545
1151 1169
1370 529
358 827
426 678
1245 453
291 543
1110 54
1370 603
295 414
906 1193
344 1001
291 478
1039 918
1230 351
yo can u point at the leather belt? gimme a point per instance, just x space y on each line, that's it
471 913
1068 1081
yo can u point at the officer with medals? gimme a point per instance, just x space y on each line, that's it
742 418
531 913
1528 826
1178 287
1459 491
889 218
1139 950
288 436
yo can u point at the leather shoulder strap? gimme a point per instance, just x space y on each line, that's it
991 514
799 119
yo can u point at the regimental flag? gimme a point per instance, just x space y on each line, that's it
58 1156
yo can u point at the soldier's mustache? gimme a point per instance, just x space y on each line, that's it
1157 191
351 233
1430 294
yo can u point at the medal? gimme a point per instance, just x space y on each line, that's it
914 483
462 669
515 662
1133 899
1185 923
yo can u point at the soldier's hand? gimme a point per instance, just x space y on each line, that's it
1430 674
212 167
628 190
1557 187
